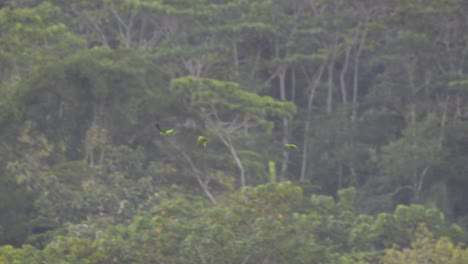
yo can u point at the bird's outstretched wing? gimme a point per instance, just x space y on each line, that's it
290 146
169 131
164 132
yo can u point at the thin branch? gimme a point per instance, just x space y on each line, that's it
126 35
246 259
200 255
277 71
399 188
421 178
227 142
195 171
98 30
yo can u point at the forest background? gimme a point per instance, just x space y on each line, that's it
373 93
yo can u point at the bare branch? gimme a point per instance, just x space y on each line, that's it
98 29
421 178
200 255
246 259
399 188
196 172
227 142
126 35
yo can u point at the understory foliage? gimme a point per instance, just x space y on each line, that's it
273 223
373 93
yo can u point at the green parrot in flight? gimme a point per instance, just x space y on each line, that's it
164 132
290 146
202 142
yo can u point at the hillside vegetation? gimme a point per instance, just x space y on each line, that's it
373 94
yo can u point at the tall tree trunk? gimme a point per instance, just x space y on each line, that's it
413 90
340 176
344 70
344 95
331 66
236 58
443 122
305 145
356 70
282 85
418 176
293 84
256 63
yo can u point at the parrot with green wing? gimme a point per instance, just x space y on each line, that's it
290 146
164 132
202 142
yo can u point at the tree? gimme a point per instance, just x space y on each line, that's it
426 249
223 106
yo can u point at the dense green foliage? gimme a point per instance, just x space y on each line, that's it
373 93
273 223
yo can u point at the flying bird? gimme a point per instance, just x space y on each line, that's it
290 146
202 142
164 132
